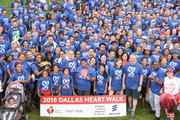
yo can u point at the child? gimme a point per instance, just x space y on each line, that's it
44 61
55 76
10 104
45 85
66 87
100 84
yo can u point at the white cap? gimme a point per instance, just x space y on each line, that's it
144 37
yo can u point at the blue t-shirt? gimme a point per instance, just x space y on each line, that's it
81 82
100 82
15 76
159 74
146 71
45 84
56 80
72 65
133 73
116 74
66 85
175 65
4 47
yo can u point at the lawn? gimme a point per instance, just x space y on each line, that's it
141 114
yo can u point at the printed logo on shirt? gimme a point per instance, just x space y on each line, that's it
149 61
99 80
170 87
173 65
131 71
21 78
83 73
72 66
45 85
66 83
55 79
145 73
118 73
2 48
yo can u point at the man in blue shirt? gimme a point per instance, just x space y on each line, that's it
155 84
132 81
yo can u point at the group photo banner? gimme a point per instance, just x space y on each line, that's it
83 106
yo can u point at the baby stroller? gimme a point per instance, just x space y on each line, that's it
16 92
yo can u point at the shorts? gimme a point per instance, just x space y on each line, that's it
134 93
143 92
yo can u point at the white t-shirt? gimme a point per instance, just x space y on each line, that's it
171 86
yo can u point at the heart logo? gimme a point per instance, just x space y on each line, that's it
50 110
84 72
131 70
21 78
72 65
170 87
45 85
144 72
173 65
100 78
55 79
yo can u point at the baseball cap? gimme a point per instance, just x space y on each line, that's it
151 37
47 45
169 69
175 52
162 33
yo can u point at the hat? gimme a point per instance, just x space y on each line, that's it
158 25
47 45
169 69
151 37
54 0
66 28
162 33
144 37
175 52
89 28
87 37
153 21
32 46
64 15
148 48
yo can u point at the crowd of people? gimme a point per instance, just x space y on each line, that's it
95 47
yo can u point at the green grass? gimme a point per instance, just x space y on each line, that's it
141 114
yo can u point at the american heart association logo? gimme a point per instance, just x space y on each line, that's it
50 110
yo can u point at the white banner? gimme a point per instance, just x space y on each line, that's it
83 106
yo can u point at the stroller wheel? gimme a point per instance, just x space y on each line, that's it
26 117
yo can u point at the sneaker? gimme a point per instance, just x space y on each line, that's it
143 105
151 112
132 115
167 118
129 109
157 118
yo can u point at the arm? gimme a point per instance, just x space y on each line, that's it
110 79
5 78
94 83
148 85
73 91
75 80
59 90
38 91
124 78
157 81
106 85
140 83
